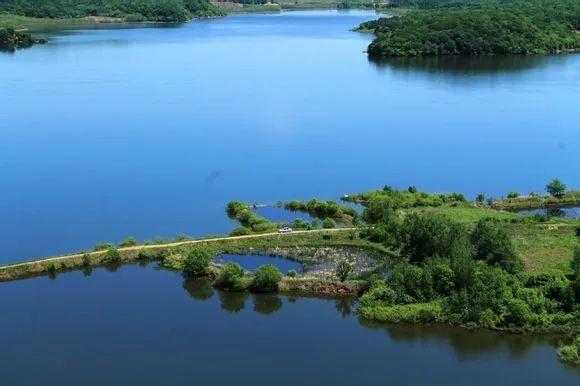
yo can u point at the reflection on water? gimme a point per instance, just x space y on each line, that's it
466 344
461 66
252 262
571 212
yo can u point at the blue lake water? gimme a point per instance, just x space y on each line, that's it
150 131
141 326
252 262
571 212
278 214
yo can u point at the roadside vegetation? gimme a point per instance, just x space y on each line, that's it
468 27
324 210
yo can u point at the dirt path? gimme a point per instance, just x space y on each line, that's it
169 245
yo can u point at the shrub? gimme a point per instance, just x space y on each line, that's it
231 278
343 269
86 260
112 255
513 195
575 263
197 261
480 198
518 313
101 246
412 189
266 279
328 223
129 242
240 231
292 273
556 188
571 353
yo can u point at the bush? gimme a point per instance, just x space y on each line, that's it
513 195
266 279
575 263
240 231
197 261
328 223
412 189
343 269
101 246
112 255
129 242
231 278
292 273
86 260
480 198
571 353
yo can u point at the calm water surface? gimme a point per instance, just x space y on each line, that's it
571 212
150 131
140 326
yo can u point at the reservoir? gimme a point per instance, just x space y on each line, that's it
149 132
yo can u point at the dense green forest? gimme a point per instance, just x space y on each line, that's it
10 40
479 28
132 10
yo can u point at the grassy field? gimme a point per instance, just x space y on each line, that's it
35 25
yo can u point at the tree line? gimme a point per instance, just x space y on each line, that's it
132 10
479 28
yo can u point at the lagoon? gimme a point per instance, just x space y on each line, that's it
150 131
136 325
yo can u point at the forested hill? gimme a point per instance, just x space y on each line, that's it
131 10
477 28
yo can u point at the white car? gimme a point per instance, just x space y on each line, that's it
285 230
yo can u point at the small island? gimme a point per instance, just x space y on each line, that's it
477 28
11 40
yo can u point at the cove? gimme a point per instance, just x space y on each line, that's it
149 132
142 326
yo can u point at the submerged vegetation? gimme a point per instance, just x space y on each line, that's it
468 27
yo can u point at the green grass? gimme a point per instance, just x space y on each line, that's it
544 247
35 24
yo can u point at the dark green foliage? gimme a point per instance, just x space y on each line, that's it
11 40
328 223
556 187
412 189
427 235
493 245
112 255
292 273
197 261
480 198
513 195
129 242
266 279
571 353
575 263
133 10
231 278
86 260
343 269
532 27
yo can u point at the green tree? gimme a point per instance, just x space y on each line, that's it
494 246
197 261
231 278
343 269
328 223
556 188
480 198
129 242
266 279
